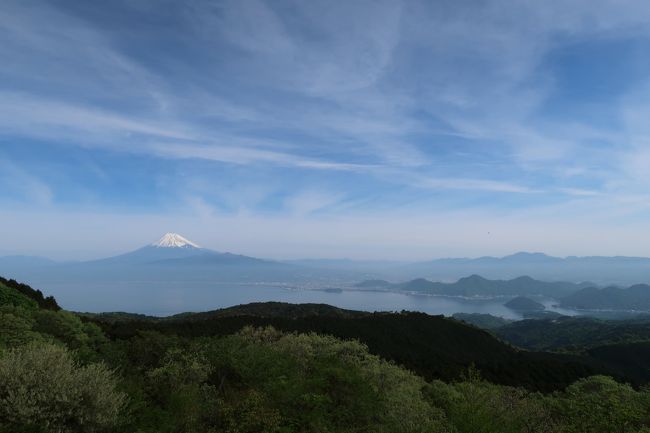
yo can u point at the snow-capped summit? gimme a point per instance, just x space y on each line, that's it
174 240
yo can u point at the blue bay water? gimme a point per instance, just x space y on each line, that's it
166 298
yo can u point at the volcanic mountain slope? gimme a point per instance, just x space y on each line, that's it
174 249
172 258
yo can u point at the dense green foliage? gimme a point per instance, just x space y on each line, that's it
573 333
229 371
19 325
481 320
597 404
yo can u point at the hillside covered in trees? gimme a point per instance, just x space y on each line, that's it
292 368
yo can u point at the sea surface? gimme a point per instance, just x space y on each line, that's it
167 298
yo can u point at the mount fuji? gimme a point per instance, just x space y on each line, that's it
173 249
172 259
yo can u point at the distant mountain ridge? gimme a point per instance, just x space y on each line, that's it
475 285
520 257
175 251
601 269
528 257
634 298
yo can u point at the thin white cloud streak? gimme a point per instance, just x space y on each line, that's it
26 115
473 184
242 155
579 192
25 184
307 202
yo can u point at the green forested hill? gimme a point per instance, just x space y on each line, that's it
573 333
433 346
622 346
634 298
481 320
273 309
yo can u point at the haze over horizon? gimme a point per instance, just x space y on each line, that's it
171 239
365 130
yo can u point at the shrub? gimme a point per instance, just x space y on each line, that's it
322 383
41 386
16 325
600 404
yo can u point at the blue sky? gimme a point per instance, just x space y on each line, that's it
363 129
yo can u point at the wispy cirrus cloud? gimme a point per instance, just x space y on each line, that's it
331 111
